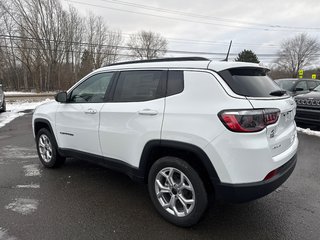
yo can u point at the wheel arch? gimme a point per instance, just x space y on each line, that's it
192 154
42 123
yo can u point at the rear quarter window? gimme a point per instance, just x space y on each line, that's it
249 82
175 82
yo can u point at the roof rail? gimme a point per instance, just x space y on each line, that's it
162 60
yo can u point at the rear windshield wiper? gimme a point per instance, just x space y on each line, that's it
278 93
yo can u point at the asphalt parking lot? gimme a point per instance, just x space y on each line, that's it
84 201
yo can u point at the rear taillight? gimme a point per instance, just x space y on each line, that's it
249 120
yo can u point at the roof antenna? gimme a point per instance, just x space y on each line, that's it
226 59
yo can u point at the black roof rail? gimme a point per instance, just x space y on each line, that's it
174 59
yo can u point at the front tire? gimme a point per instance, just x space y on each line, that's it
177 191
47 149
4 108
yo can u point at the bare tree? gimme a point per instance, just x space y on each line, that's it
103 43
147 45
113 47
298 52
41 44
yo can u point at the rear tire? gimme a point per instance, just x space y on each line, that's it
177 191
48 150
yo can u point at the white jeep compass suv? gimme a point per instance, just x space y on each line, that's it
189 127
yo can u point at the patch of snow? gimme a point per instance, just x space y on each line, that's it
308 131
32 185
13 152
16 109
19 106
23 206
7 117
4 235
15 93
31 170
11 93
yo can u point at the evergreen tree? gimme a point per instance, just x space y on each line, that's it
247 56
87 63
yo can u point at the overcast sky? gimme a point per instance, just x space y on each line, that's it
209 25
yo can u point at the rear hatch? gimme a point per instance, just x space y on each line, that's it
263 93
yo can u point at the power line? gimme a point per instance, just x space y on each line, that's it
182 19
190 14
212 42
14 37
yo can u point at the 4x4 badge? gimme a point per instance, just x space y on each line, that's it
272 133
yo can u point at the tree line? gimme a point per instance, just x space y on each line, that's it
295 54
45 47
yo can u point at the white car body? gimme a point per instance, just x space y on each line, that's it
121 130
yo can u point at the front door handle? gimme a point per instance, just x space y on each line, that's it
90 111
148 112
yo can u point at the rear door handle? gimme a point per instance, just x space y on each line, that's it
148 112
90 111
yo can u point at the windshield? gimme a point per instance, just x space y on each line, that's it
317 89
250 82
286 84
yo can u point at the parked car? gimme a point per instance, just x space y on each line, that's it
296 86
2 100
188 127
308 107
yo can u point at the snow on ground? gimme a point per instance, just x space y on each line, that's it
23 206
15 109
13 93
17 93
308 131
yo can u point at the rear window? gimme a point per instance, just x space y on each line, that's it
249 82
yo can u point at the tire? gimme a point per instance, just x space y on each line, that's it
3 107
181 202
47 149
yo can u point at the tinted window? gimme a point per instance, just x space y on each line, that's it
92 90
313 84
301 86
136 86
175 82
251 82
286 84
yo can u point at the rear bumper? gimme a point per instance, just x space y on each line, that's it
237 193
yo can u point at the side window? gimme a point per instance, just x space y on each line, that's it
312 84
137 86
302 86
92 90
175 82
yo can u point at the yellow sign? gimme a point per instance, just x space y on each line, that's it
301 72
314 76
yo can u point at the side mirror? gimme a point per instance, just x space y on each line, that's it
61 97
298 89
